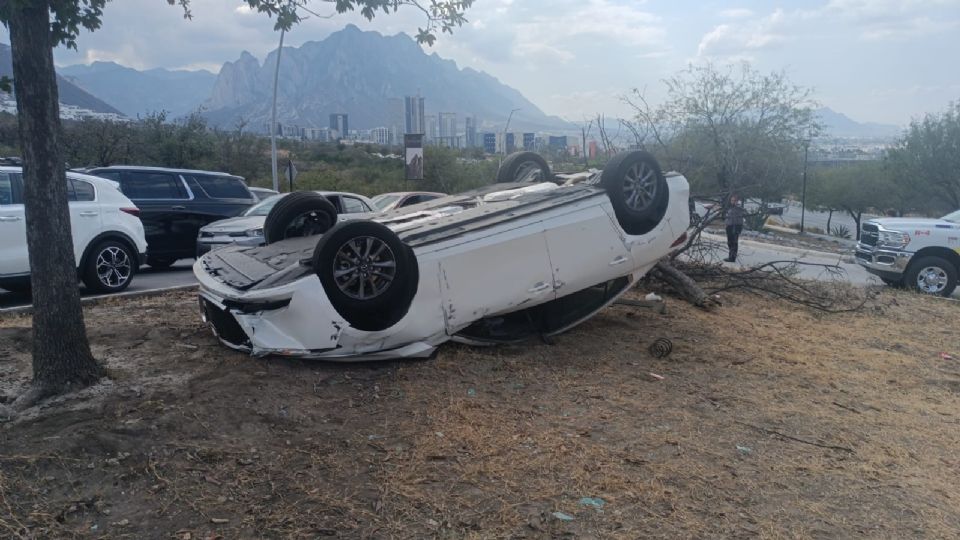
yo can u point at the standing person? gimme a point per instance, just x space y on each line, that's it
734 223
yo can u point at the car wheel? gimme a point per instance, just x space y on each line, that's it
637 190
109 268
524 167
932 275
370 276
160 263
302 213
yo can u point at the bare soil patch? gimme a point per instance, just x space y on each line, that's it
769 421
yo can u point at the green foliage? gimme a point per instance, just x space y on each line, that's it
730 129
840 231
928 158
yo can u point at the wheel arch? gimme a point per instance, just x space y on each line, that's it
938 251
110 235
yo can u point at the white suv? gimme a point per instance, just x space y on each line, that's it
108 237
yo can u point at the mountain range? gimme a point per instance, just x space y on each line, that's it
70 93
134 92
837 124
358 73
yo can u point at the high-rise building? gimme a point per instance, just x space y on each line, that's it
380 135
557 143
529 141
395 111
431 133
511 144
414 120
340 123
470 131
448 130
490 143
592 154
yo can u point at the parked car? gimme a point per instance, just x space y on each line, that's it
262 193
497 264
391 201
175 203
923 254
108 237
247 229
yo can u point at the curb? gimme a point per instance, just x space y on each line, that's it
94 300
769 245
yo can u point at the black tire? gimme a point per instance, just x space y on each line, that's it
160 263
931 275
109 267
391 292
301 213
637 190
524 167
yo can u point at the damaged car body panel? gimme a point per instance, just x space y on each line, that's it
492 265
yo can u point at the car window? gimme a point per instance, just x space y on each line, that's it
109 175
151 185
383 201
223 187
352 205
80 190
263 207
417 199
6 189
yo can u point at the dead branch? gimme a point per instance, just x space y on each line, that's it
796 439
688 288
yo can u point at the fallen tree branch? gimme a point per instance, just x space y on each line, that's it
683 284
796 439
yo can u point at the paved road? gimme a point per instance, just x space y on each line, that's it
754 253
791 215
148 278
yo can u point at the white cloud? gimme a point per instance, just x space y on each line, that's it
895 20
736 13
739 40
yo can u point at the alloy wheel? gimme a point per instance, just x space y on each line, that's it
640 186
364 267
113 267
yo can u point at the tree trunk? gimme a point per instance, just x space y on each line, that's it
829 219
61 353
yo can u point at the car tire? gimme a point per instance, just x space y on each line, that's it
109 267
522 167
379 300
637 189
160 263
301 213
932 275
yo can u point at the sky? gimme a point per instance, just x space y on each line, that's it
882 61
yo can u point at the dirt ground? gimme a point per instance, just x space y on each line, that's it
767 420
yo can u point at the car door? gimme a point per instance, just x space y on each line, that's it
353 205
86 218
13 228
586 248
499 273
162 198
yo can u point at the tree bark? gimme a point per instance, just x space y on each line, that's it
61 352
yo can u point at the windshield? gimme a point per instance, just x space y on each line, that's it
383 201
263 207
953 217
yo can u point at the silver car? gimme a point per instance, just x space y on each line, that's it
247 229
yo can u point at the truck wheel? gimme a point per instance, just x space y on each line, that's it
524 167
301 213
370 276
109 267
637 190
932 275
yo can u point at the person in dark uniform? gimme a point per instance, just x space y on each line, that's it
734 223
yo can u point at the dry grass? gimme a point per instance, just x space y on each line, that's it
482 443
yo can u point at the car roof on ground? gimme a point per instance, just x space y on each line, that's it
414 193
159 169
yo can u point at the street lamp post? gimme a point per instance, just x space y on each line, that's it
273 121
803 196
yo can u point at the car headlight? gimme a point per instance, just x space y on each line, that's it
255 232
893 239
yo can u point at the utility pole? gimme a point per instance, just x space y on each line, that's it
503 150
273 121
803 196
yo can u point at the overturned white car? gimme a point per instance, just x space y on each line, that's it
534 254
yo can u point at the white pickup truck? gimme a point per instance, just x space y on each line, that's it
923 254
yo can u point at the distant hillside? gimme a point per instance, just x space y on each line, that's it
357 73
840 125
139 92
70 94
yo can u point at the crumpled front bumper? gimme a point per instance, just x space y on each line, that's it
294 320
